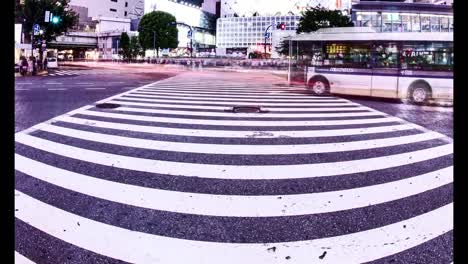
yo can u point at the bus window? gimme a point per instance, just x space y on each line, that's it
427 56
352 55
386 55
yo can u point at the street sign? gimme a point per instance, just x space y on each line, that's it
189 34
267 35
36 29
47 16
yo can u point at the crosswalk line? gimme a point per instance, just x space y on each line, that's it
239 103
223 108
252 115
239 206
240 149
138 247
245 123
232 171
231 95
216 98
234 133
20 259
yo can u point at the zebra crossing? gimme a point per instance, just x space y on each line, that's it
174 176
73 72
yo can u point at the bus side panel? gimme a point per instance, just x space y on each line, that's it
441 88
348 80
385 83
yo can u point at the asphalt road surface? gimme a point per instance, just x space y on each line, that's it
38 99
172 175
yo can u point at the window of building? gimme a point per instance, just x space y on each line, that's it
113 10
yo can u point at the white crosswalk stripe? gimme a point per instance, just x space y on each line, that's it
311 179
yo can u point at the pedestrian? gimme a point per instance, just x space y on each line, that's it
24 66
30 65
34 67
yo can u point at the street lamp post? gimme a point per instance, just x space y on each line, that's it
266 38
154 43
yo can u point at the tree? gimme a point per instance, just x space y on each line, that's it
135 47
33 12
125 46
315 18
283 48
155 29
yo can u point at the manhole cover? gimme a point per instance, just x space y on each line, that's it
247 109
107 106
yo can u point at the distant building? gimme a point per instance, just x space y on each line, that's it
112 8
198 14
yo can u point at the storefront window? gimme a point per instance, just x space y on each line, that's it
444 24
425 23
386 22
406 23
435 24
415 23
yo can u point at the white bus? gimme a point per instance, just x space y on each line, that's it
357 61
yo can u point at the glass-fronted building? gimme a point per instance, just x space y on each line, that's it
403 17
243 23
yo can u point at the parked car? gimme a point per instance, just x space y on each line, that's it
52 62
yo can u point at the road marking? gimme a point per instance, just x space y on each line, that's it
20 259
138 247
254 172
123 101
85 83
261 115
254 123
231 95
22 89
240 149
24 83
239 206
53 83
233 133
56 89
95 88
345 103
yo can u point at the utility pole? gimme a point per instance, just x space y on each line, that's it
154 43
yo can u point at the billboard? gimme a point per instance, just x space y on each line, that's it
18 33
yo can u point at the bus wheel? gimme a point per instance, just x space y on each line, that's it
319 86
420 94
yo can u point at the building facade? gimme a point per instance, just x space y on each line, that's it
243 23
193 14
127 9
403 17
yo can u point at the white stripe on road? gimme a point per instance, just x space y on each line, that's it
215 98
85 83
240 149
123 101
53 83
20 259
246 115
94 88
256 172
231 95
253 123
139 247
22 89
230 103
236 134
26 83
234 205
56 89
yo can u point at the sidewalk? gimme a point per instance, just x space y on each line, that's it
41 73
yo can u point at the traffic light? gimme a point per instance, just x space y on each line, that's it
281 26
55 20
